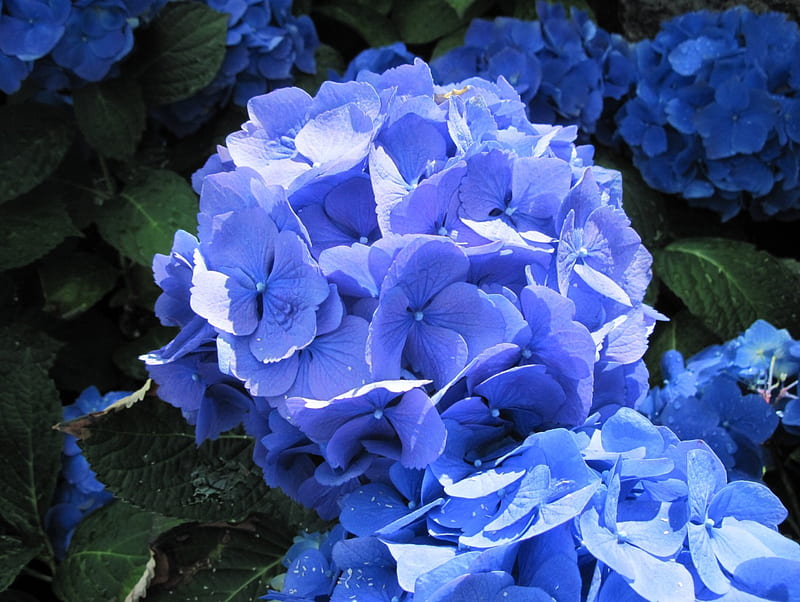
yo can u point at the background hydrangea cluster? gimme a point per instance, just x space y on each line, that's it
716 114
733 396
66 43
415 322
266 44
79 493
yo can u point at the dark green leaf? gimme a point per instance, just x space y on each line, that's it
126 356
728 284
30 450
142 219
21 335
327 58
14 555
216 481
32 226
460 6
423 21
109 557
183 50
111 115
35 139
220 563
448 42
683 332
647 208
86 357
73 282
12 595
371 25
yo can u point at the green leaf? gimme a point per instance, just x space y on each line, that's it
32 226
215 481
141 220
729 284
327 58
460 6
13 595
220 563
448 42
74 282
647 208
683 332
374 27
183 50
30 450
111 115
35 139
109 557
21 335
126 356
423 21
14 556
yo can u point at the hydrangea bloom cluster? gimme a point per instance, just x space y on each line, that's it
428 313
385 241
564 67
79 492
618 511
265 44
733 395
716 114
66 42
376 60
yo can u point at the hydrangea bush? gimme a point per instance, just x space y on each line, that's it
407 325
716 111
428 313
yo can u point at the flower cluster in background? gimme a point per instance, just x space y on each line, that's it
79 492
66 43
265 44
564 67
732 396
428 313
716 114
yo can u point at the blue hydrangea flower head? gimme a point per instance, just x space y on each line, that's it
79 492
713 117
563 65
98 34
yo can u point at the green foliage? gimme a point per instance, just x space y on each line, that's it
109 557
327 58
30 457
32 226
141 220
22 336
683 332
374 27
182 51
219 562
14 555
147 455
35 139
460 6
729 284
74 282
111 115
422 21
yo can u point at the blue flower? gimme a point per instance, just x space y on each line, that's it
79 492
98 35
713 109
30 29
